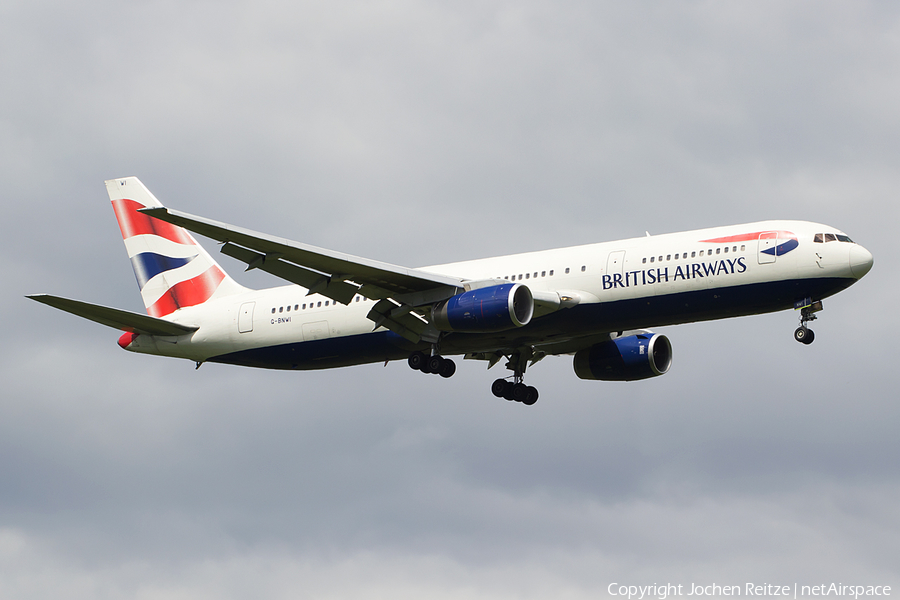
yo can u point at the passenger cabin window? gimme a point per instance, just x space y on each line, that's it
567 270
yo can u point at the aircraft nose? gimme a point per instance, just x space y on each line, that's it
861 261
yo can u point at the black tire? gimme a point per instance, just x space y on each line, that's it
434 364
531 395
416 360
519 392
810 337
801 334
498 388
448 368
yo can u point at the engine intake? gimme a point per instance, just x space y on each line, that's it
495 308
625 359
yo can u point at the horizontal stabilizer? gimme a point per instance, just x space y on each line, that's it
123 320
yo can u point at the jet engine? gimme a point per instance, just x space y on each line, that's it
626 358
495 308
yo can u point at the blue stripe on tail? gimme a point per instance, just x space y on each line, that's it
148 265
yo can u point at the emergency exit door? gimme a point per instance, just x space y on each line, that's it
245 317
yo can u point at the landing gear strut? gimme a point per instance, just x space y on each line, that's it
808 308
516 389
435 363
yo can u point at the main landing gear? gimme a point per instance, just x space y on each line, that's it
435 363
516 389
804 334
502 388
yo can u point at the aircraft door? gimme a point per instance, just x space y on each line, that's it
768 242
615 264
245 317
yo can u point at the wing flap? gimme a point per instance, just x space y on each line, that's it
401 320
315 282
122 320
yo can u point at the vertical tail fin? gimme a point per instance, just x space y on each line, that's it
172 270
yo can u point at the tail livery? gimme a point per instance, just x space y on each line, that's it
173 271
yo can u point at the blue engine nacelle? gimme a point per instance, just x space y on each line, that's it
495 308
625 359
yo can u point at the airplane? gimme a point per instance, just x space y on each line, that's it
595 302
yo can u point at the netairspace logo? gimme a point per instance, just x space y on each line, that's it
661 592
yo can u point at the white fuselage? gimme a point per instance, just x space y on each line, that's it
639 282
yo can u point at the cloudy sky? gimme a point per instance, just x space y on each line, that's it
427 132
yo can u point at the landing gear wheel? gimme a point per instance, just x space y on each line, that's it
498 388
417 360
434 364
804 335
519 392
531 395
448 368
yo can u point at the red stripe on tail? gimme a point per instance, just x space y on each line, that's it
134 223
188 293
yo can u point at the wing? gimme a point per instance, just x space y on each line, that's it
123 320
399 290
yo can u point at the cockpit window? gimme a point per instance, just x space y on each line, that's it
821 238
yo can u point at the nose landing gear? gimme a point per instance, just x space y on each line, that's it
804 335
808 308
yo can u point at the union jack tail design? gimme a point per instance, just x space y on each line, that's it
172 270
